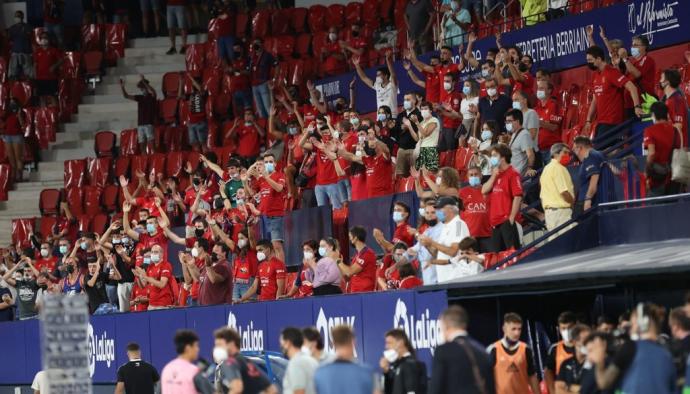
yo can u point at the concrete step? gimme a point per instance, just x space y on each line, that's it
38 186
165 41
126 115
154 78
149 58
94 126
75 153
48 171
105 99
144 69
17 207
124 106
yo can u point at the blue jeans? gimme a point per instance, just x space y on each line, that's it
225 45
197 133
274 227
328 193
545 156
262 99
112 294
345 190
239 289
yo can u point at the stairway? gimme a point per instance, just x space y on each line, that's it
106 109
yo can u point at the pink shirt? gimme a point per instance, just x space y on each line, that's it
178 377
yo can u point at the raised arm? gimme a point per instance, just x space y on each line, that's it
321 107
126 208
212 166
124 92
416 62
391 69
367 81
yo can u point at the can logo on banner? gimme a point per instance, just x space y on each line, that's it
424 332
252 339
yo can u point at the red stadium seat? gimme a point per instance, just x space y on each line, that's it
100 223
175 163
370 13
75 173
48 226
115 41
302 45
183 112
29 121
110 199
49 202
175 138
241 24
6 177
168 110
128 142
353 13
171 81
121 167
335 16
298 18
221 104
463 156
105 144
21 228
285 46
99 171
317 18
399 13
211 80
92 200
260 21
280 21
3 70
385 11
212 29
91 37
211 58
270 46
213 134
403 185
318 43
71 66
194 59
46 122
21 91
75 200
93 61
157 163
139 164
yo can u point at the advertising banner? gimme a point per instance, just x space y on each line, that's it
422 327
204 320
332 311
162 327
554 45
126 333
102 345
380 313
287 313
250 322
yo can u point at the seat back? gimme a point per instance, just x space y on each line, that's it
49 202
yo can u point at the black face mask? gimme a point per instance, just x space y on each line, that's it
432 223
237 54
70 269
196 181
592 66
523 67
355 33
199 232
214 257
256 47
168 190
218 203
369 151
445 62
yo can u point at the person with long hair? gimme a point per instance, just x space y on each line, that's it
303 285
402 372
326 274
245 264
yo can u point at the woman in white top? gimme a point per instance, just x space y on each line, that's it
429 129
530 117
488 138
468 105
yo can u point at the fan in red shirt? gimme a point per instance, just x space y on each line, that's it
389 274
248 134
47 61
659 140
446 66
361 271
675 101
236 81
549 118
153 236
271 276
409 277
375 157
476 209
403 232
449 109
332 57
47 262
159 276
504 188
356 45
323 145
608 84
139 298
640 68
244 267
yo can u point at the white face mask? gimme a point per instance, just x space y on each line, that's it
241 243
336 134
448 86
308 255
44 252
426 114
379 81
220 354
438 180
195 252
541 94
332 36
565 335
491 92
390 355
261 256
44 42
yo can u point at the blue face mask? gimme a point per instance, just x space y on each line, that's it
486 135
322 251
397 216
84 246
494 161
475 181
440 215
517 105
485 73
147 260
155 258
270 167
407 104
151 228
381 117
466 90
292 130
454 6
63 249
635 52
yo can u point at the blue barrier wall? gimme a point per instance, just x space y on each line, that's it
259 325
554 45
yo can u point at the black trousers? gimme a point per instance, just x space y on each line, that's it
327 290
505 236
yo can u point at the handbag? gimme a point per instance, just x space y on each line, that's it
305 171
680 162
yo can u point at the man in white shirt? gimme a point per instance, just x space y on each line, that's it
424 256
385 85
467 262
40 383
448 244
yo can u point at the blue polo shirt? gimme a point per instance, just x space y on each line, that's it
344 377
590 166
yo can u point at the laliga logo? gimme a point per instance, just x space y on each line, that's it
424 333
100 349
252 339
324 325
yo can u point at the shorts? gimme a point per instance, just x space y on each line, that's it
176 17
46 87
197 132
428 158
274 227
149 5
144 133
13 139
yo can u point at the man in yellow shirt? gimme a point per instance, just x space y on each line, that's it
557 190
